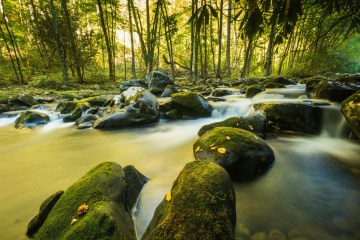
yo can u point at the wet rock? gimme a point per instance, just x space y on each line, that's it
22 100
253 123
44 211
135 181
252 90
279 80
168 91
77 112
191 105
45 100
332 91
200 205
350 108
241 153
274 85
132 83
86 121
92 208
221 92
5 108
159 80
304 117
139 107
98 101
30 119
260 236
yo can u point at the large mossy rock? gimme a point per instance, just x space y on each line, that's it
190 105
252 90
200 205
30 119
332 91
22 101
278 81
44 211
253 123
304 117
159 80
139 107
350 108
92 208
241 153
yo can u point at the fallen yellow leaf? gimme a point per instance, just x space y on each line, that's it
212 145
168 196
213 148
197 149
227 137
251 127
222 150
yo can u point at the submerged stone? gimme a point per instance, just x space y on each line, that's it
332 91
241 153
31 119
200 205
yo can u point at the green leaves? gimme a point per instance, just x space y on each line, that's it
202 15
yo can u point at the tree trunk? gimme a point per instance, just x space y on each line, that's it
74 50
205 48
168 39
285 53
192 40
133 67
218 72
228 42
13 45
107 41
270 50
247 59
58 41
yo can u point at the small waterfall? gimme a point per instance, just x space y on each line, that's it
334 123
234 107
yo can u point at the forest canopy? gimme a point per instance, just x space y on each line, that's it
97 41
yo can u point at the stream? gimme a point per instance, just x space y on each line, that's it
311 192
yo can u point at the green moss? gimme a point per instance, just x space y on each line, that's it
31 119
253 123
241 153
191 104
103 190
202 206
351 111
252 90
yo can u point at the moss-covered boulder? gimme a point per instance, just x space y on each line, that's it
92 208
200 205
221 92
30 119
333 91
243 154
44 211
274 85
252 90
190 105
5 108
304 117
139 107
253 123
278 80
159 80
80 108
22 101
350 108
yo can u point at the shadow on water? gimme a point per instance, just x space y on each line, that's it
311 192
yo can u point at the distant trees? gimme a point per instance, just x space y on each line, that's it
212 38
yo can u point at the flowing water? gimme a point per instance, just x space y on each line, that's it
311 192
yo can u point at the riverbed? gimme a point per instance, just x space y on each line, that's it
311 192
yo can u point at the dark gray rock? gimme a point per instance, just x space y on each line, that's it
159 80
30 119
304 117
252 90
170 89
125 85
